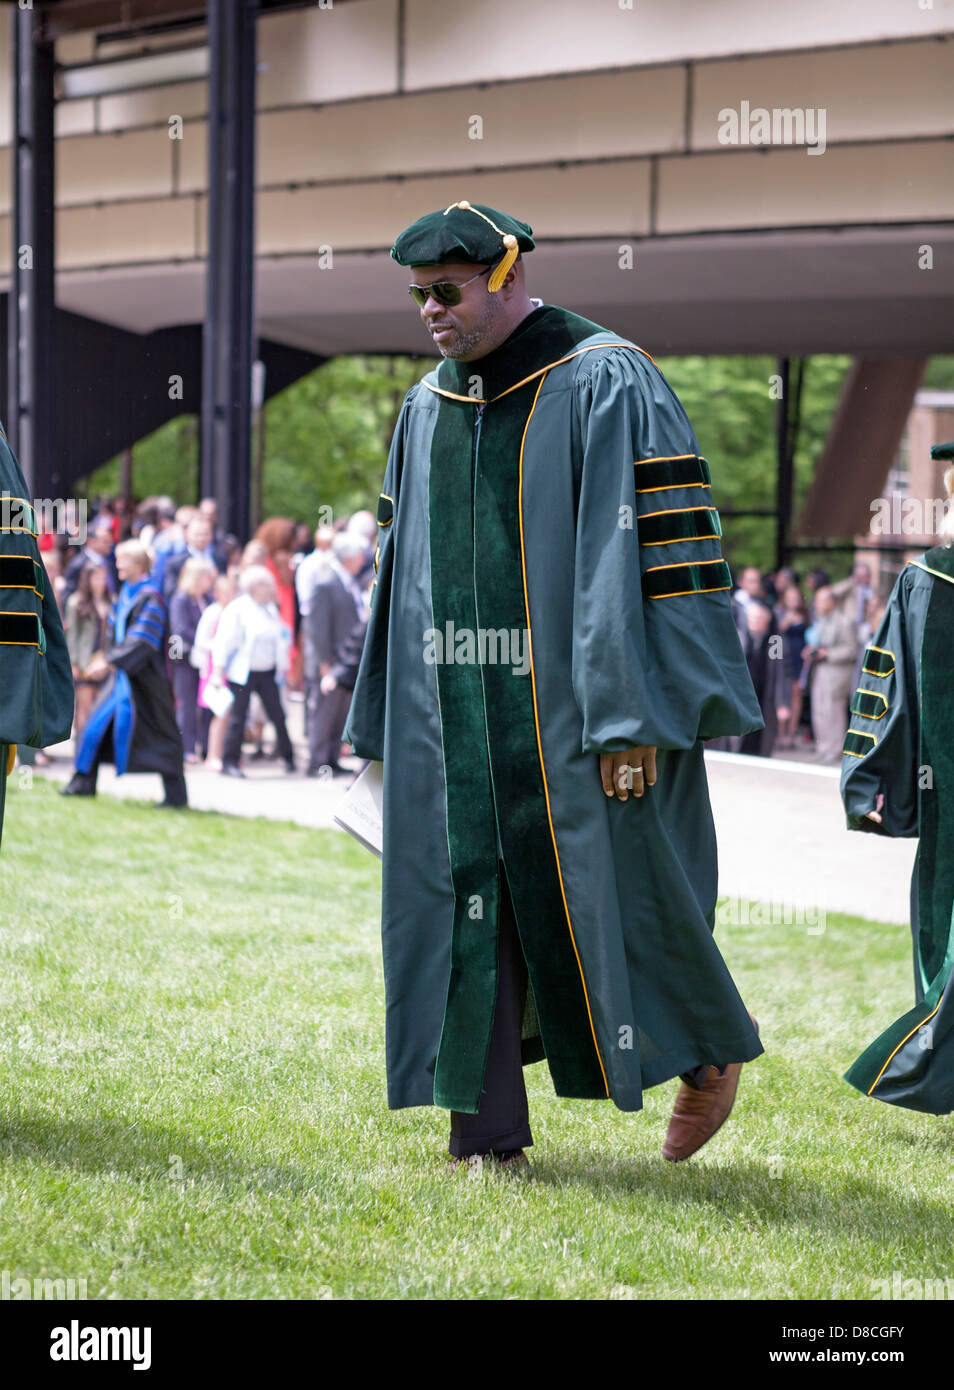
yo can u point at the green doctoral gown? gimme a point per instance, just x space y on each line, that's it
36 680
900 747
551 493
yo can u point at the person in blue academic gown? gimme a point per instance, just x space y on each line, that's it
133 723
550 643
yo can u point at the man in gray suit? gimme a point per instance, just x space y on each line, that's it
833 657
337 601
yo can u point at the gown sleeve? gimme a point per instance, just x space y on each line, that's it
880 755
36 675
656 653
365 727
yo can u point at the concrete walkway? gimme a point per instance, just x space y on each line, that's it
266 790
780 825
783 839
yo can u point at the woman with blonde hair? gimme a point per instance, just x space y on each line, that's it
188 602
898 779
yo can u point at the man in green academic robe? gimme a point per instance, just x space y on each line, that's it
898 779
550 642
36 678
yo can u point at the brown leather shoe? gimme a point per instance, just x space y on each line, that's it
697 1115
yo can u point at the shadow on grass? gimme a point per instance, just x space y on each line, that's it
145 1150
846 1204
939 1139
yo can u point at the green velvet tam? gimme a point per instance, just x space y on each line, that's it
469 232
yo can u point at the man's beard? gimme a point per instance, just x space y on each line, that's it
467 344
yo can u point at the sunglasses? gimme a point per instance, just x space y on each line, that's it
446 292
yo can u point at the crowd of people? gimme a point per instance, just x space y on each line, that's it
804 645
208 640
247 629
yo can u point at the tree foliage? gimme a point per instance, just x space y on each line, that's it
730 403
327 437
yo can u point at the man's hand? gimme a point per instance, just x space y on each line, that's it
633 769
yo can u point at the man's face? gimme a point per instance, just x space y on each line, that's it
758 618
751 582
466 330
199 533
824 602
101 542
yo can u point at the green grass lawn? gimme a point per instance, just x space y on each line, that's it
192 1098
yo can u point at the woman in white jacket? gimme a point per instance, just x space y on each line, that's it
250 652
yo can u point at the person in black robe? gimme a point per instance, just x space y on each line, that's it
760 641
133 724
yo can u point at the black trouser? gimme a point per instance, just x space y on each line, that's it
502 1121
189 717
173 783
329 714
263 683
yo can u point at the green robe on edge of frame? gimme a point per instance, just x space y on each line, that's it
36 678
36 694
900 746
564 497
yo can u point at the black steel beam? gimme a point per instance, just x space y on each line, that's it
227 345
787 423
783 463
134 18
113 385
31 382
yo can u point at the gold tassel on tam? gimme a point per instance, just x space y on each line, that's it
499 274
511 245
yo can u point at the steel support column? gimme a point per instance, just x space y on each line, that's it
227 344
787 422
31 388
